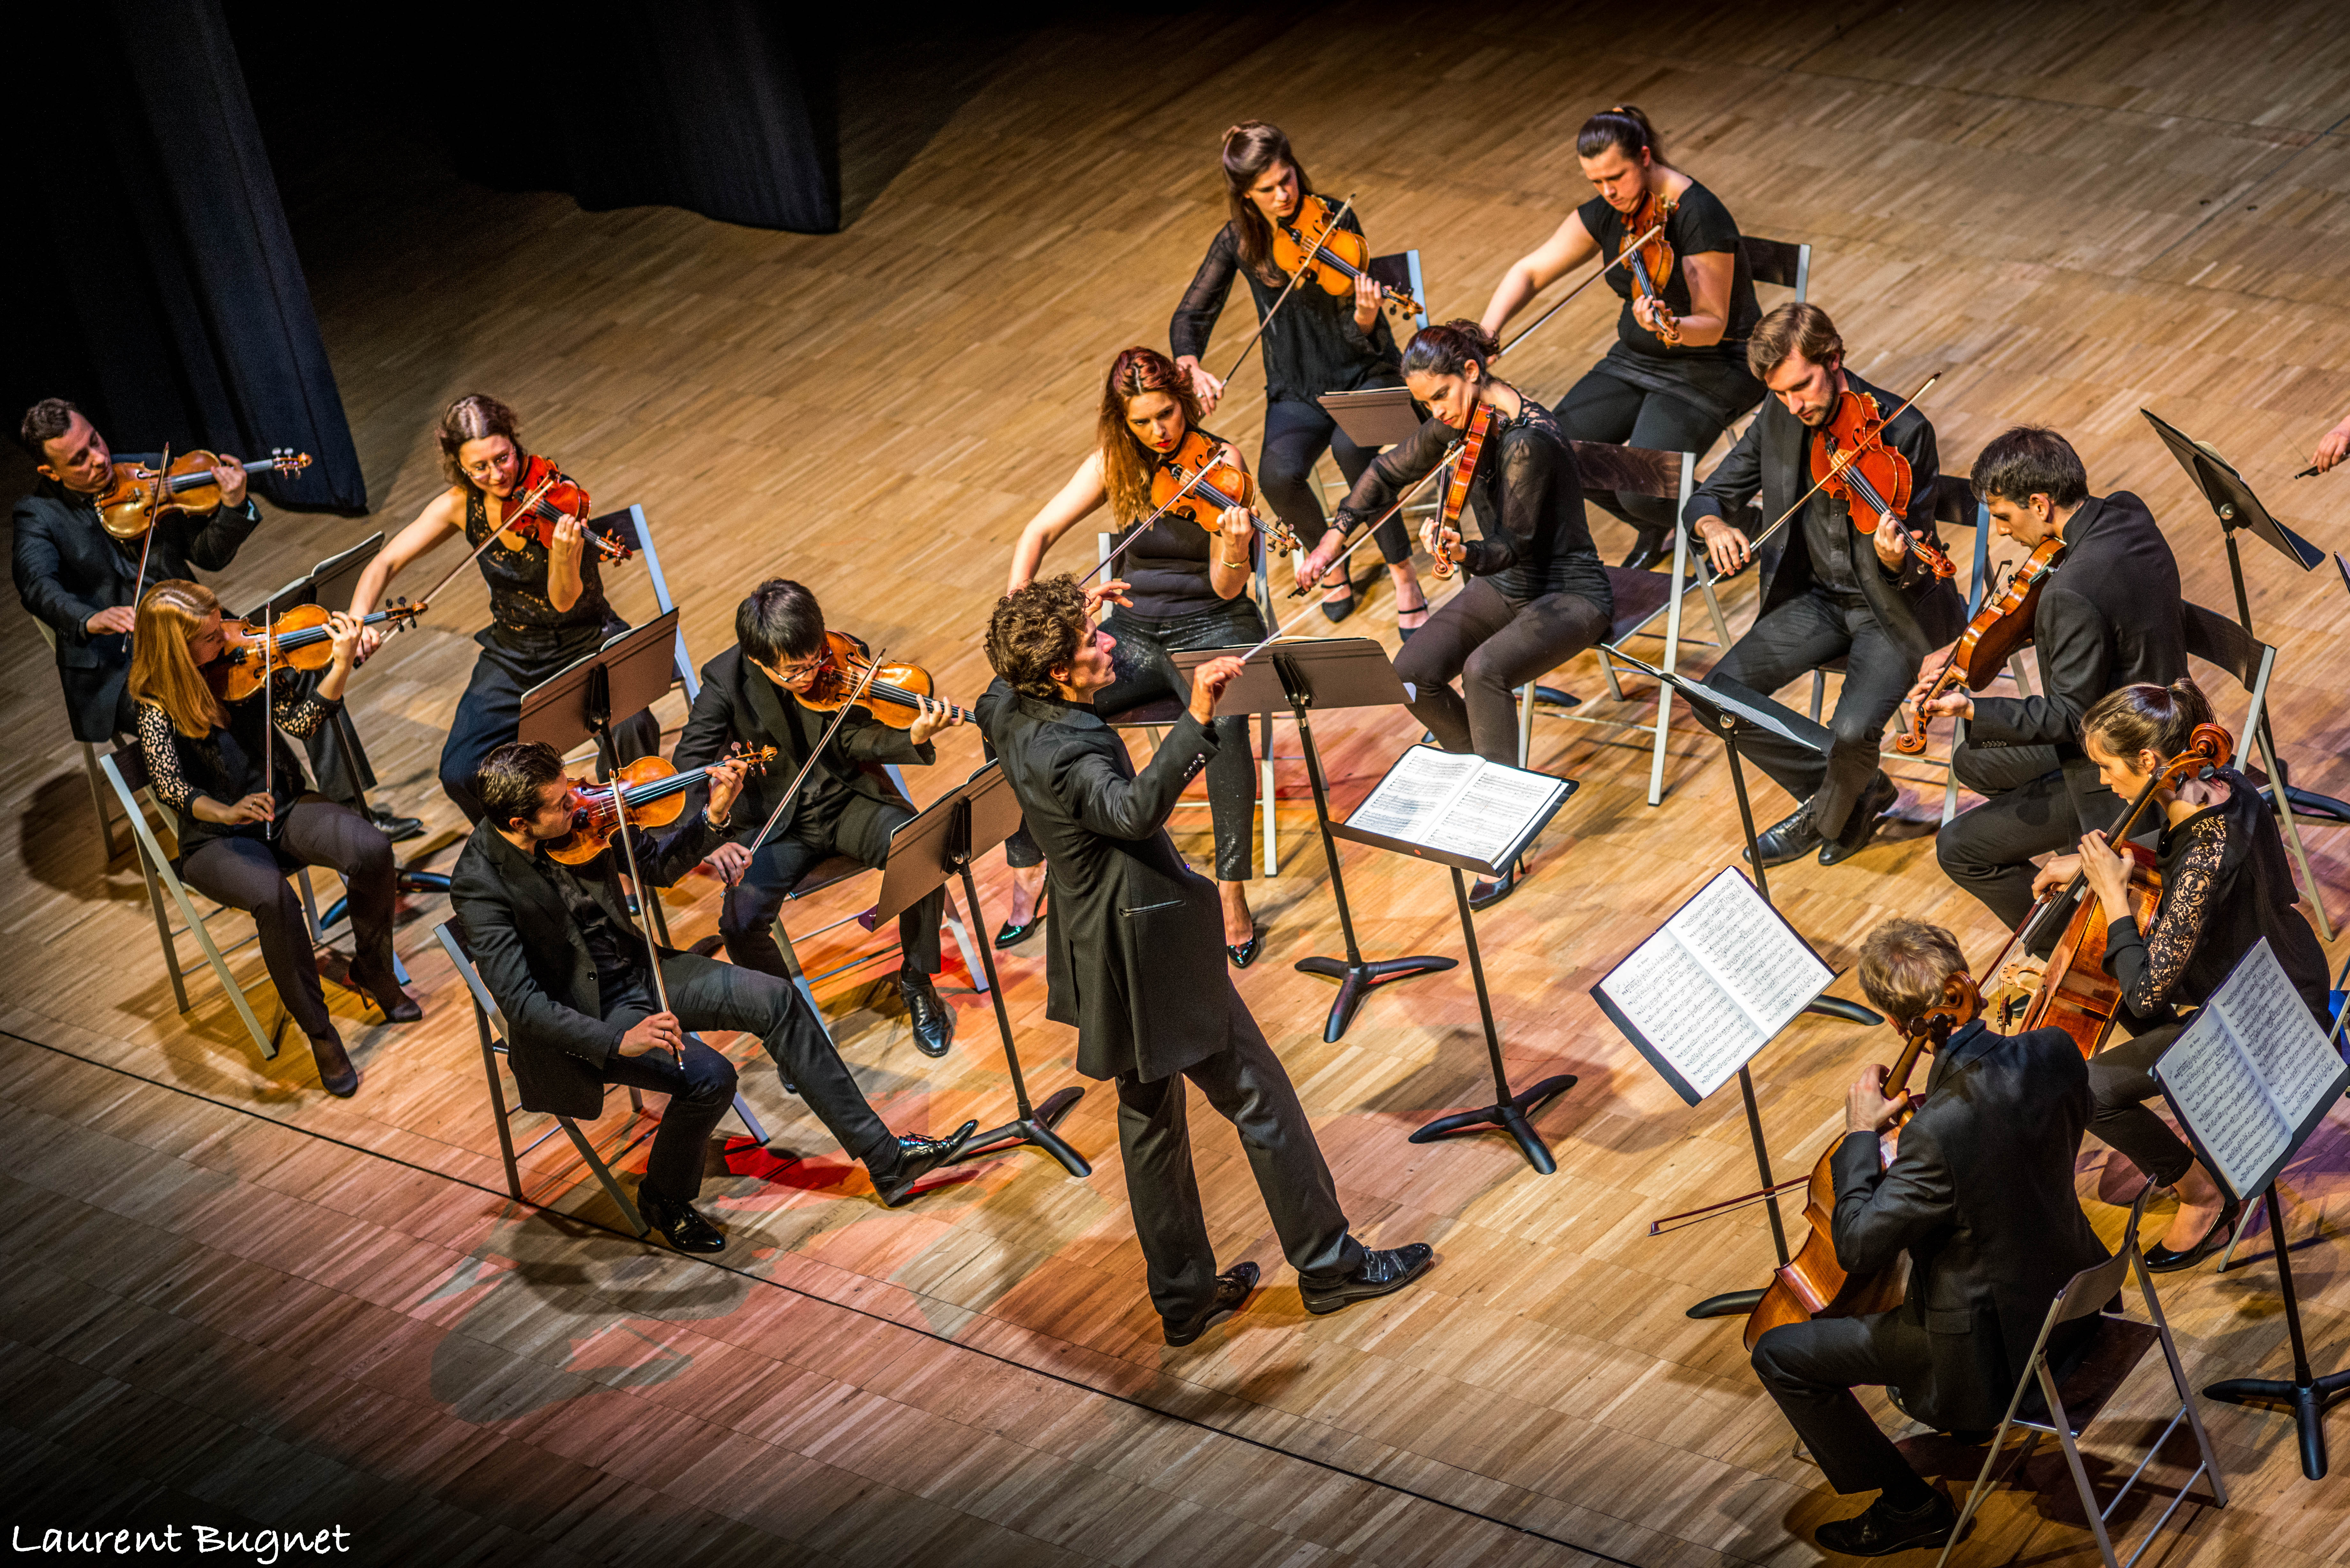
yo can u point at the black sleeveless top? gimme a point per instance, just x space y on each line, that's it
1713 375
1166 570
518 579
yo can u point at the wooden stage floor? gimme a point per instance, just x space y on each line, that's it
232 1299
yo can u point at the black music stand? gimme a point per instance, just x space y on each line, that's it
632 670
2234 505
1509 1111
1334 672
978 814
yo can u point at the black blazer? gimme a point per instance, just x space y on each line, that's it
1980 1196
738 702
68 568
1135 950
1917 609
532 956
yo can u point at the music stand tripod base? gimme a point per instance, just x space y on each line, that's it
2307 1395
1358 977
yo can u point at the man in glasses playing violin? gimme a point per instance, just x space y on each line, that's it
1831 593
82 584
848 805
1981 1196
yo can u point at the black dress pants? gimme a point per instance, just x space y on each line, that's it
490 712
1147 673
699 1089
1296 434
1495 644
1247 1085
1788 643
1988 849
2121 1079
746 917
1810 1369
1605 408
250 873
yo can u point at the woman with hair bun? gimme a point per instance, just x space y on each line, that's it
1677 376
1536 593
2226 885
1318 343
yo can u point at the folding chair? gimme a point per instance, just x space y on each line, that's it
117 846
1782 261
2046 1404
489 1026
2216 639
689 674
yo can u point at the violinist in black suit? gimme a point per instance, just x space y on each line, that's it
848 806
1135 958
83 584
1832 592
1981 1196
567 965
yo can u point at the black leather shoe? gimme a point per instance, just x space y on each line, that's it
932 1019
1380 1273
1008 935
681 1224
335 1073
1484 894
1790 837
1880 1532
395 1005
2163 1261
1233 1288
918 1157
1645 556
395 826
1867 816
1244 954
1552 696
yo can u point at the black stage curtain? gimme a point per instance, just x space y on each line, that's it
165 295
721 107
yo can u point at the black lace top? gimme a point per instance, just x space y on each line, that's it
1528 498
2226 884
226 764
1313 347
518 579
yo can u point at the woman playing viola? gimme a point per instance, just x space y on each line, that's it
2226 885
1318 343
1537 595
1177 586
244 822
1676 377
548 608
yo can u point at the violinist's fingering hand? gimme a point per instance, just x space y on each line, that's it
1368 299
231 477
1892 542
933 717
726 785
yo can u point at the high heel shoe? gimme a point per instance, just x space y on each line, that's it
1008 935
335 1073
2161 1260
1244 954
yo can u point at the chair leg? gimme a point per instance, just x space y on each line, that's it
604 1174
163 934
799 978
2063 1426
962 936
1976 1493
2022 681
750 1121
2314 889
266 1040
1950 785
2243 1228
1819 693
1656 758
1526 721
498 1102
115 848
1266 800
309 906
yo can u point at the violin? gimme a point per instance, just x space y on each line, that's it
1651 262
1814 1283
652 790
297 639
1456 488
1198 481
1339 255
139 497
1854 463
2073 992
549 498
2000 629
893 696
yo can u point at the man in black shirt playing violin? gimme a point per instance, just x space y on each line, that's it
847 805
1832 592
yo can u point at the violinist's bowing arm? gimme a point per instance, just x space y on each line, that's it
1077 500
1569 246
443 517
1879 1212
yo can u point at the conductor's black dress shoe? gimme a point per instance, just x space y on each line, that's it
917 1158
932 1019
1879 1530
681 1224
1380 1273
1233 1288
1790 837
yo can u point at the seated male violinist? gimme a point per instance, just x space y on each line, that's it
84 583
1980 1196
567 965
753 693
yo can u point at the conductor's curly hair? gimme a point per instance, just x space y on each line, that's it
1036 631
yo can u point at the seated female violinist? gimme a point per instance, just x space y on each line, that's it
1183 584
2226 884
245 815
546 596
753 693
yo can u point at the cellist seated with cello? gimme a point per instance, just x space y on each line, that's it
1981 1196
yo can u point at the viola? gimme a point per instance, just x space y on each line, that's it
1651 261
893 694
651 789
1456 488
297 639
1312 247
1854 463
548 499
1199 480
2000 629
139 497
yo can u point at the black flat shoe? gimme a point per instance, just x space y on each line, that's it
1008 935
335 1073
1552 696
1380 1273
934 1020
1244 954
2161 1260
681 1224
1339 610
395 1005
918 1157
1867 816
1880 1532
1233 1288
394 826
1790 837
1484 894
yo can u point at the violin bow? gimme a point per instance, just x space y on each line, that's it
1402 501
491 538
268 717
1843 459
138 583
1630 250
1143 527
645 895
1283 298
872 669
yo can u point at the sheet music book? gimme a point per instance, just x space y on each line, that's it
2252 1076
1457 805
1713 986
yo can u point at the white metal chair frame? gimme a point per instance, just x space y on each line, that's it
117 844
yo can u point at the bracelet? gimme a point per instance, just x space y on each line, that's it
1235 566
